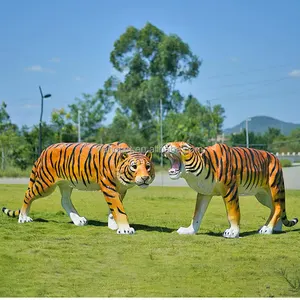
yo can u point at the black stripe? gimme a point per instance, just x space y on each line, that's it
95 167
221 169
51 160
216 158
71 164
79 157
82 177
234 197
108 195
241 165
230 190
210 160
121 212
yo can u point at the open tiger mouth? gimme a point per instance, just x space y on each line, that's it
175 170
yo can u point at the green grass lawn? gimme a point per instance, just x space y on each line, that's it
51 257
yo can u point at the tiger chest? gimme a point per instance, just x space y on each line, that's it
200 184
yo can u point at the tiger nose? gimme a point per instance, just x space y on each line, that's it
145 177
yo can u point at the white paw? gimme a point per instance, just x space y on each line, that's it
128 230
231 233
186 230
24 219
80 221
112 223
265 230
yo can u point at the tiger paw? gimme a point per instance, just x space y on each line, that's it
80 221
231 233
24 219
186 230
128 230
265 230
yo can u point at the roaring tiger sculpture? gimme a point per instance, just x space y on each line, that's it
230 172
111 168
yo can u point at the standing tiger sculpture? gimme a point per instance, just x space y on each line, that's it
230 172
111 168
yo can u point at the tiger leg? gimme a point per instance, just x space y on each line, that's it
278 209
115 205
67 204
265 198
36 190
112 224
231 200
200 209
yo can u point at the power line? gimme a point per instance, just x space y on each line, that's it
251 89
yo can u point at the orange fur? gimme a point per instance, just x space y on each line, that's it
230 171
111 168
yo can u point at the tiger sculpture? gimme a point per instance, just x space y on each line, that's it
220 170
111 168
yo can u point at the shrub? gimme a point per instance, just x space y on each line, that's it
285 163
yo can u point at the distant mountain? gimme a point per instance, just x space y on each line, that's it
260 124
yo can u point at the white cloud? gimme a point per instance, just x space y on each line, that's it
295 73
55 59
78 78
38 68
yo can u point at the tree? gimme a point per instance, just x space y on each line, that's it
195 123
8 135
92 111
151 62
65 131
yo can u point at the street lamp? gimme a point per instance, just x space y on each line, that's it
41 117
247 132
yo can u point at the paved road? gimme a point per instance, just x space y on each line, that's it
291 179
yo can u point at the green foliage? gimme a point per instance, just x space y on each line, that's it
272 140
13 171
151 62
285 163
51 257
92 111
65 131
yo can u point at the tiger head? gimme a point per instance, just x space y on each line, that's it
136 168
180 154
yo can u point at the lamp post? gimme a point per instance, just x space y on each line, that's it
41 117
247 132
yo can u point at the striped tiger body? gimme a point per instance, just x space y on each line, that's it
230 172
111 168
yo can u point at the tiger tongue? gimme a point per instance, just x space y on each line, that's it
175 164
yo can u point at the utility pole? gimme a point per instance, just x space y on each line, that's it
247 132
161 132
79 133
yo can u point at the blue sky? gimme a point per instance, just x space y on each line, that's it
250 52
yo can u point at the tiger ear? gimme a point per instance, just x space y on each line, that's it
149 154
